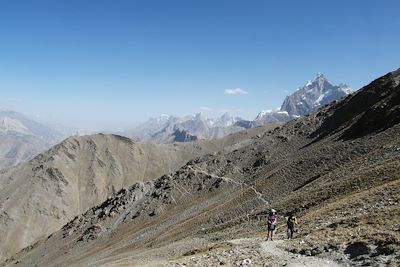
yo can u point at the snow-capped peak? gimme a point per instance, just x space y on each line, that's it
263 113
200 116
226 120
345 88
319 75
318 80
272 115
313 94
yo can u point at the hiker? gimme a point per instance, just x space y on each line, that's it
272 218
291 223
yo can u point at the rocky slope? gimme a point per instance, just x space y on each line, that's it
38 197
339 174
22 138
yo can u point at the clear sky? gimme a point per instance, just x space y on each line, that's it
110 64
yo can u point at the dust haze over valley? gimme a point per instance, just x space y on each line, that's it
167 133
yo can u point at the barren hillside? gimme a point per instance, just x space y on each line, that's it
39 197
337 169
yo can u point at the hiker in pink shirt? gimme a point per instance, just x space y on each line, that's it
272 219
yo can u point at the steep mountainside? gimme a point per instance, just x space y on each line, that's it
342 183
316 93
22 138
38 197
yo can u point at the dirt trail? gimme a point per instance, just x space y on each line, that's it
274 249
250 252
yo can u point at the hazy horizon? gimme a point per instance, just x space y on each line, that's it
106 65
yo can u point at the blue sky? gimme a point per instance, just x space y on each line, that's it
110 64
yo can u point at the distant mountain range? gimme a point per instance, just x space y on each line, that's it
22 138
166 129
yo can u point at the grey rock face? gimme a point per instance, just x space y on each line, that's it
183 136
316 93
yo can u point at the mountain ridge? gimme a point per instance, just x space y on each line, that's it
167 129
41 195
334 185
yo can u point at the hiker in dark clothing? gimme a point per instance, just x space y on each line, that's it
291 223
272 219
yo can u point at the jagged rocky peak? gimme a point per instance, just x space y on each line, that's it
314 94
226 120
324 84
320 79
226 117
